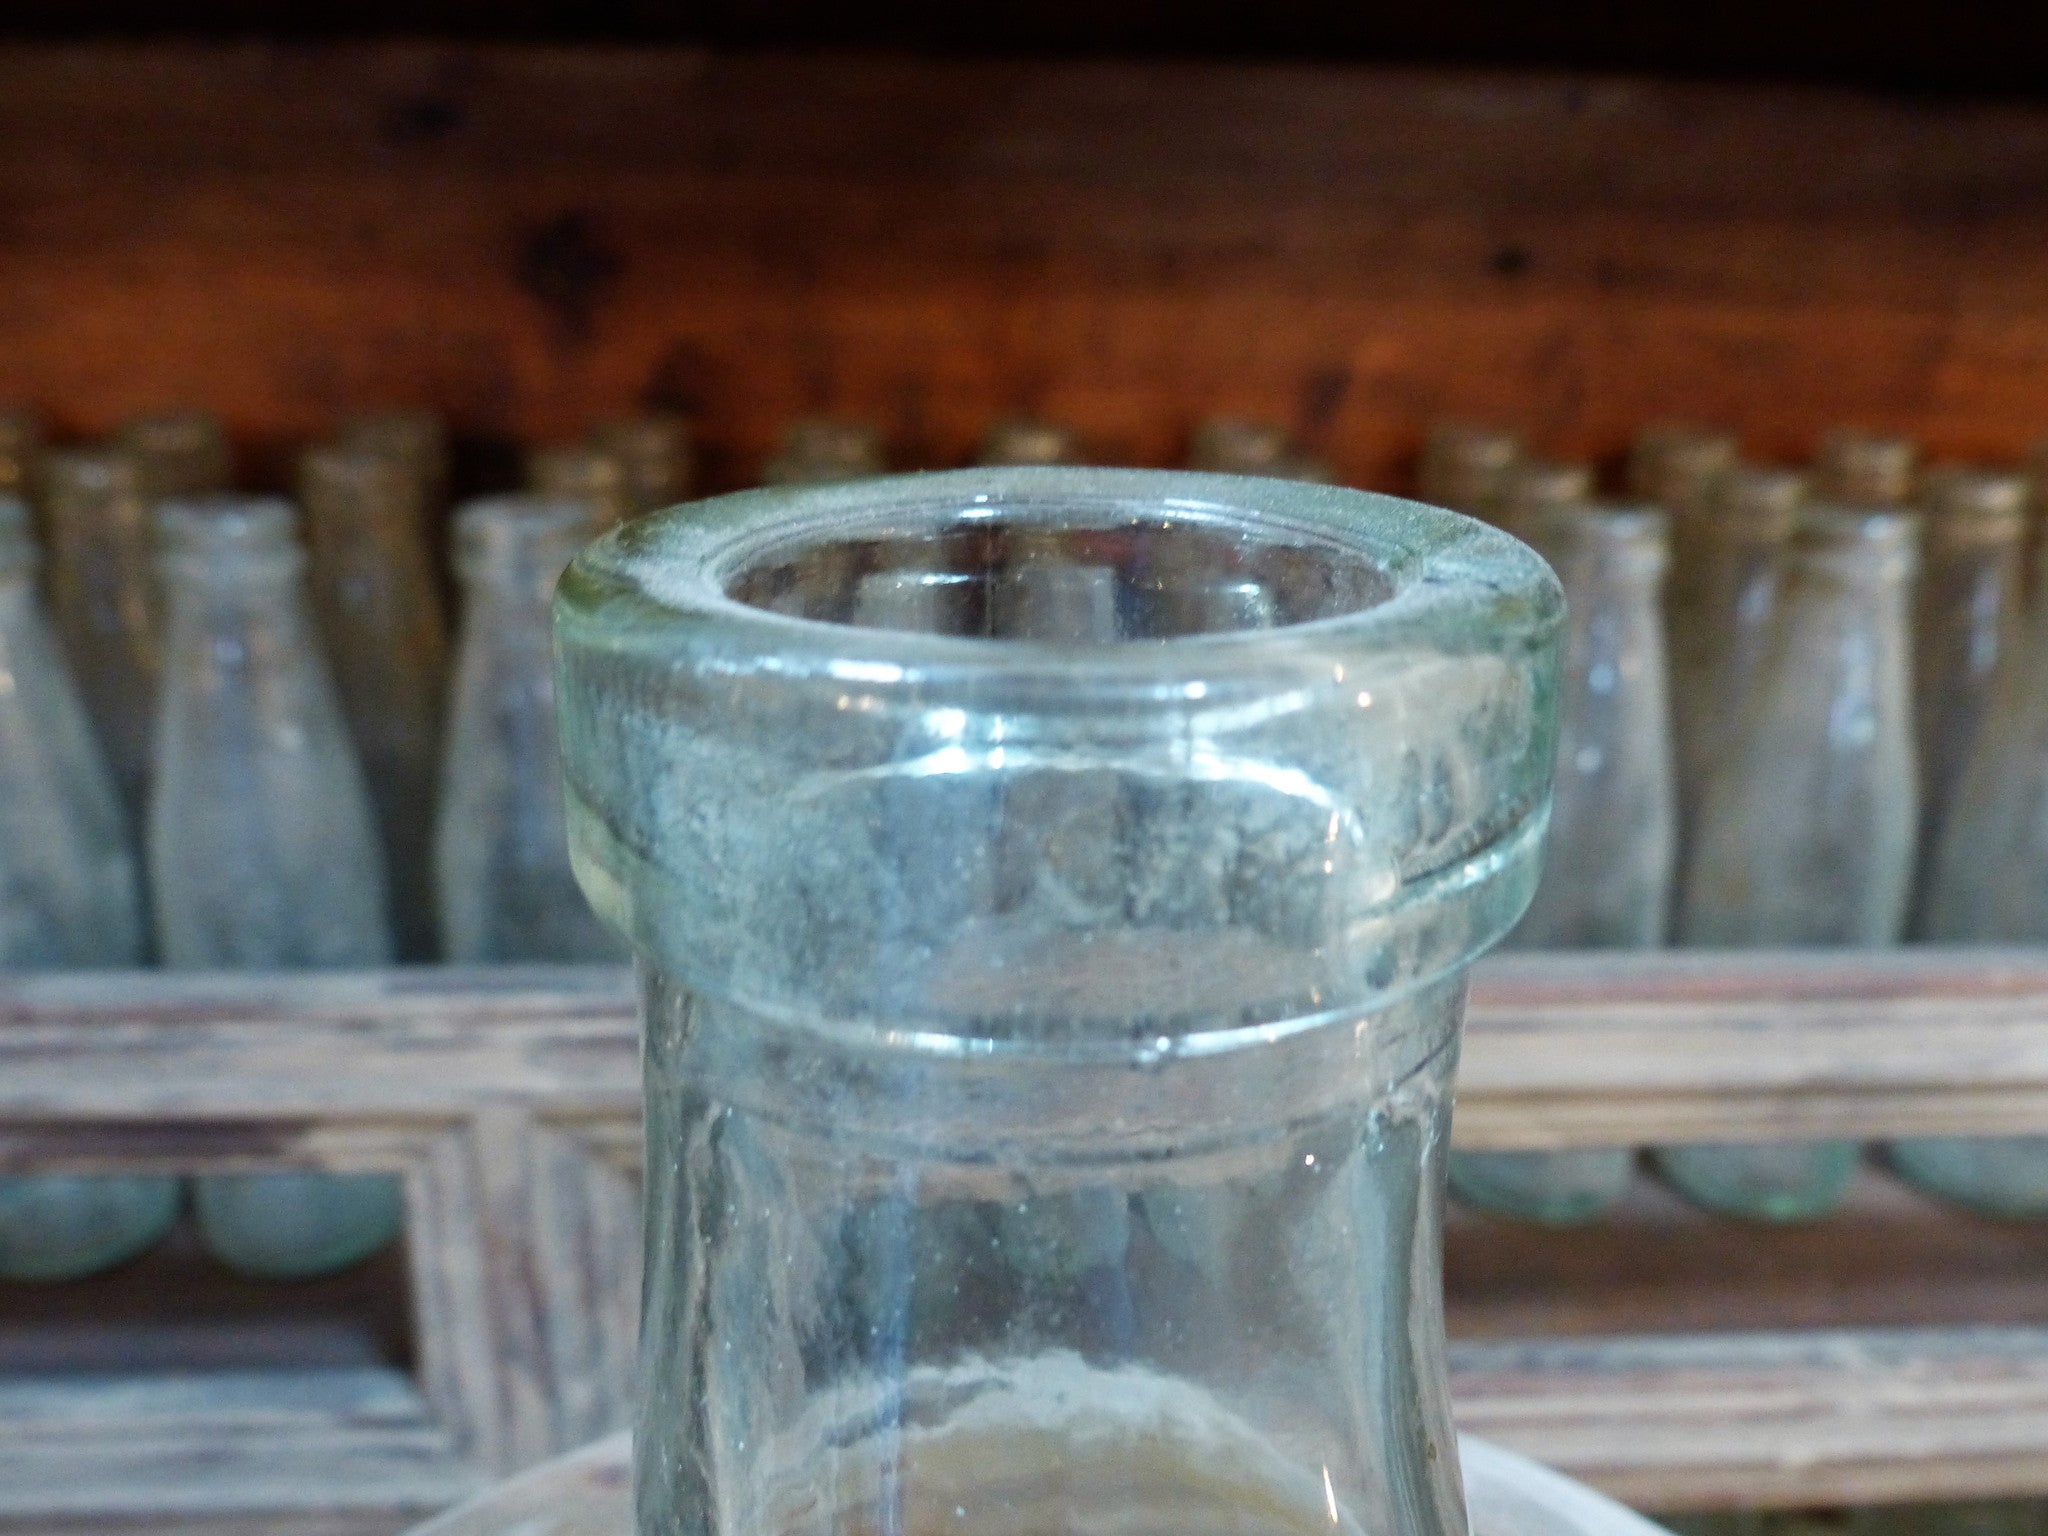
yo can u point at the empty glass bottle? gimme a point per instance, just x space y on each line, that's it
418 440
21 447
582 473
1535 486
1230 1082
817 450
104 597
379 608
1965 616
1808 831
501 862
1231 445
1609 860
1865 469
1990 886
179 454
69 900
656 454
1027 440
1736 543
263 853
1673 465
1465 467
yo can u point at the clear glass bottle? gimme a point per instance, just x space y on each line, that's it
263 853
500 855
179 454
1535 486
1465 467
378 603
582 473
1674 464
1231 1084
69 900
1736 543
1028 440
1609 863
817 450
658 457
1989 885
418 440
21 449
105 600
1965 617
1808 831
1865 469
1232 445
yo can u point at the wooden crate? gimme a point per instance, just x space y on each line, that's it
509 1100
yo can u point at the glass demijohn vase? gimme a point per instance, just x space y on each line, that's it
263 853
1158 948
1609 863
501 857
68 901
1807 834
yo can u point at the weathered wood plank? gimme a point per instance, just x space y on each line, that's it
291 232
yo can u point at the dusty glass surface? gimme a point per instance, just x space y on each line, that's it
1052 983
105 600
263 853
1465 467
501 856
379 609
1731 547
1807 834
1609 864
69 900
1965 618
1989 885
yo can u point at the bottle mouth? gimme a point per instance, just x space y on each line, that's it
228 536
1023 752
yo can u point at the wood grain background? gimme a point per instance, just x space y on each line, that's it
531 238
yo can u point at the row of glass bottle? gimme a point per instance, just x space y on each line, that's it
288 814
1828 731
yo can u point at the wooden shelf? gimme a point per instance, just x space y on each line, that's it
1898 1351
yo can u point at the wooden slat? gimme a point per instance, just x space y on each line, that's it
1762 1420
528 238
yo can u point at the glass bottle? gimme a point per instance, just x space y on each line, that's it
68 901
21 448
581 473
1674 464
1027 440
1808 831
104 597
1865 469
1609 863
1989 885
379 608
1536 486
1231 445
263 853
1965 616
179 454
1736 543
1243 1064
656 454
817 449
501 862
418 440
1465 467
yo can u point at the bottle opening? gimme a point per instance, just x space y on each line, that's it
1071 574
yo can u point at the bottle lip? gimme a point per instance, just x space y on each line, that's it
1414 729
1967 504
662 586
204 531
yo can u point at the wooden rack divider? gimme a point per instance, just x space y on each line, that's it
510 1102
